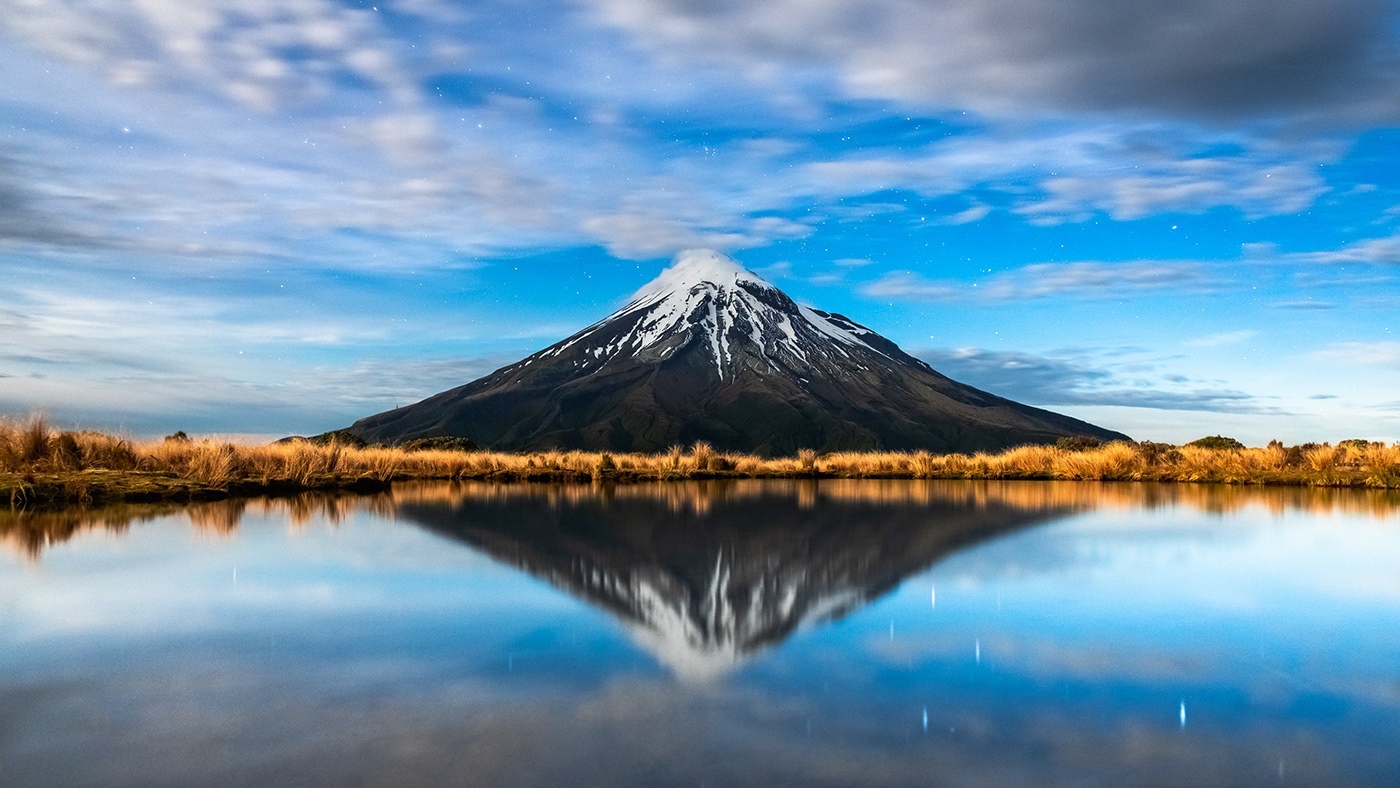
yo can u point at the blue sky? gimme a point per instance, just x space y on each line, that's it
274 217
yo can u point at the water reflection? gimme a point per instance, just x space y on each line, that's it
708 573
1014 633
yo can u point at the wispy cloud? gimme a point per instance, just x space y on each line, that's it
1380 354
1125 172
647 235
1088 280
1080 378
1377 251
1223 338
975 213
1184 185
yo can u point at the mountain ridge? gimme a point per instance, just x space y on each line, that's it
711 351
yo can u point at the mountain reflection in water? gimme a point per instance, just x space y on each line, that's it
707 573
741 632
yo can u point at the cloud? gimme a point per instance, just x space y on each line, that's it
1194 58
162 355
1075 378
316 132
1044 280
24 221
259 54
1306 305
1224 338
639 236
110 391
1373 354
264 131
907 286
1125 171
644 235
974 214
1184 185
1377 251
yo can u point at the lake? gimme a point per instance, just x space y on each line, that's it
708 633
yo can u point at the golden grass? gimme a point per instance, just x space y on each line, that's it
39 463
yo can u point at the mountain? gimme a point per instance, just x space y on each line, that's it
707 575
710 351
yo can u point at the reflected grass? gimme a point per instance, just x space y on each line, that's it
29 532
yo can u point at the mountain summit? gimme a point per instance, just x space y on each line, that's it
710 351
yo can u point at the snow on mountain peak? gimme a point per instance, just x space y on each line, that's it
707 296
698 267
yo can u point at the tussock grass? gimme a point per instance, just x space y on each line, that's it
39 463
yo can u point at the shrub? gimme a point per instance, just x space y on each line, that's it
1078 443
440 443
1158 453
178 436
1217 443
1296 456
339 438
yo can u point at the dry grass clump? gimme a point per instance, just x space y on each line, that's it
32 446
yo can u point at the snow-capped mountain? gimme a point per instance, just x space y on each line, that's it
710 351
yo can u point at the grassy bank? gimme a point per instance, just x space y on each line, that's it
43 466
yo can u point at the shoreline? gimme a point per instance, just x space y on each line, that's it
96 487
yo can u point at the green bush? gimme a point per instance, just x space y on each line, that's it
339 438
441 443
1078 443
1217 442
1158 453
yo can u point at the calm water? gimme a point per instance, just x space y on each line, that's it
837 633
